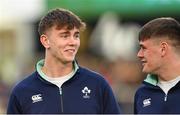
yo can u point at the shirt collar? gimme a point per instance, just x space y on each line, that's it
40 64
152 79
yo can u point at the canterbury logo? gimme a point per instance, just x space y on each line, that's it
147 102
36 98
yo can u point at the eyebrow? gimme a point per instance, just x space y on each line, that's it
77 32
65 32
68 32
142 46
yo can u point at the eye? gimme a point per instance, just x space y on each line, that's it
64 36
77 36
142 47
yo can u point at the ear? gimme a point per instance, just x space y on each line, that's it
44 41
164 48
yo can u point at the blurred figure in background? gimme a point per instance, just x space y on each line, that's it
4 93
159 53
59 84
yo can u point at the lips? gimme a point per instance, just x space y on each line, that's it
70 50
143 62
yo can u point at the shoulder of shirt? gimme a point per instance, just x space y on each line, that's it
90 73
26 82
145 86
93 77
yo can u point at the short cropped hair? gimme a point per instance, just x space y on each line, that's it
60 18
161 27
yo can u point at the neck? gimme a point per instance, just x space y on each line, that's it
56 68
170 71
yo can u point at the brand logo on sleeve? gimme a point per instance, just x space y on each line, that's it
147 102
86 92
36 98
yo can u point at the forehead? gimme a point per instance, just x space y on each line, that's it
65 29
149 43
153 40
144 42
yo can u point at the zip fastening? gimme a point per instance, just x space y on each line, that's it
60 92
165 98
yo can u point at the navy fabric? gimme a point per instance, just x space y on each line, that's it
34 95
150 99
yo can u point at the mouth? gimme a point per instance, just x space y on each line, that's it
70 50
143 62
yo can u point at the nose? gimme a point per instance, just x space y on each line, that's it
140 54
73 41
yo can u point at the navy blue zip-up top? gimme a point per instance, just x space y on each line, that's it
150 98
85 93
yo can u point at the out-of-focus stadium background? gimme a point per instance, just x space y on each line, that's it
108 46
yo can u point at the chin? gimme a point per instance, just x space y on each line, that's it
70 59
145 70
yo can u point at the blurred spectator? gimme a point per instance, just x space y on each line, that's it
4 94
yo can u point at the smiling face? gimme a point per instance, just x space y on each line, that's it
150 56
61 44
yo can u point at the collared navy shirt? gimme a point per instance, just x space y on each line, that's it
150 99
85 93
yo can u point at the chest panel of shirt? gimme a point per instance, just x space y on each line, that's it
73 99
154 102
37 100
82 98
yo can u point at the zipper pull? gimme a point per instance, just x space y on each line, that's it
60 91
165 98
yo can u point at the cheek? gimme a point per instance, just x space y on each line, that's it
57 47
154 61
78 43
151 54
